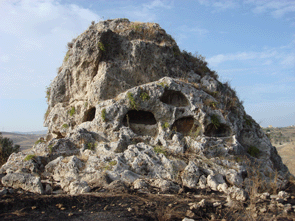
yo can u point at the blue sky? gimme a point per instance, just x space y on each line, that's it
250 43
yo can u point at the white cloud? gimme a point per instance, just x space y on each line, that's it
289 60
200 31
267 62
219 5
4 58
276 8
267 57
34 34
158 4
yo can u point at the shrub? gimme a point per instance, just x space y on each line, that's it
215 121
6 148
103 114
253 151
72 111
29 157
132 102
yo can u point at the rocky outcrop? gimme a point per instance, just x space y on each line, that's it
128 109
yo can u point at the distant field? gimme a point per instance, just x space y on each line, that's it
26 141
283 138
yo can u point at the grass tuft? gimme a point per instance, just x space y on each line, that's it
29 157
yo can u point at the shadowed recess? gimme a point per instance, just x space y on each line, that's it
185 125
141 122
139 117
89 114
220 131
174 98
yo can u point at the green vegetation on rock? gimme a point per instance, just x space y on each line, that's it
29 157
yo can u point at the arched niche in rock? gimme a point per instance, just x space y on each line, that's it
217 131
174 98
185 125
141 122
89 115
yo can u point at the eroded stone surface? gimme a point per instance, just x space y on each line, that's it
127 108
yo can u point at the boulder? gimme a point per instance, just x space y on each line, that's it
24 181
128 105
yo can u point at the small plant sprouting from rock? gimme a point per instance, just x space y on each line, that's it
132 101
248 121
144 96
67 56
66 126
213 105
101 46
163 84
29 157
86 104
176 51
46 114
48 94
159 150
215 121
72 111
91 146
136 27
165 125
39 141
110 165
113 163
103 114
50 147
253 151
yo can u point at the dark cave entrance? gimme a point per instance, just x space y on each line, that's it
174 98
185 125
221 131
89 114
141 122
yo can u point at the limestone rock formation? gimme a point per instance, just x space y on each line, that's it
129 109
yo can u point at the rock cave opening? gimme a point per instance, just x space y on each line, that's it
174 98
141 122
89 115
221 131
185 125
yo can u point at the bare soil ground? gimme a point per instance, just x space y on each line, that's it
133 205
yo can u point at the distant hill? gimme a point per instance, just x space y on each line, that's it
25 140
32 132
283 138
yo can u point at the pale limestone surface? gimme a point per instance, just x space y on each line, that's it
128 109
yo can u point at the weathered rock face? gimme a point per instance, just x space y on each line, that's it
128 106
